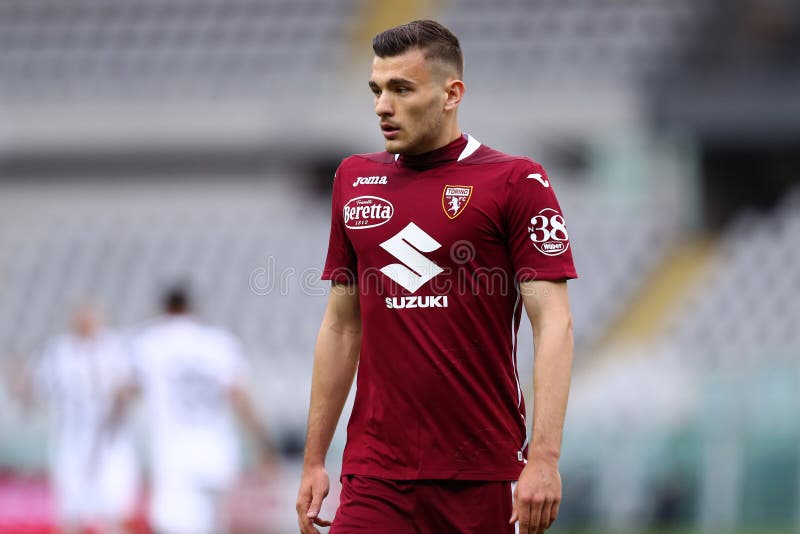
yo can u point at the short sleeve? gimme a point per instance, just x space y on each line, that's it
341 264
235 367
538 238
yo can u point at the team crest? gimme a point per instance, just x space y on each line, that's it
455 198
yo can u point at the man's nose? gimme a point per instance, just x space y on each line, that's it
383 105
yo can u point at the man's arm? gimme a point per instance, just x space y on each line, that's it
123 397
245 409
538 494
335 363
20 382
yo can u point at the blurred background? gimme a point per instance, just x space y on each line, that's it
145 141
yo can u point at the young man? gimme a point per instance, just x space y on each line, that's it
434 245
95 484
193 379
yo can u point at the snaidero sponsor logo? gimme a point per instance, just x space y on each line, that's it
367 212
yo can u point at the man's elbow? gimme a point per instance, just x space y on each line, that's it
562 330
347 327
568 326
559 324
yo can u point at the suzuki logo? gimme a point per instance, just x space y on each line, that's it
415 268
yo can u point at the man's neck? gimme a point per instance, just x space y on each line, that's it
434 158
450 134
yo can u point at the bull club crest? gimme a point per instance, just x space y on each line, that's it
455 198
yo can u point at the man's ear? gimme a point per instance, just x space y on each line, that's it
455 92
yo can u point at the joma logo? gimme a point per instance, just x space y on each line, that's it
371 180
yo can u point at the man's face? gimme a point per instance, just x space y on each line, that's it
86 321
410 95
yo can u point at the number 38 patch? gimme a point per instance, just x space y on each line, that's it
549 233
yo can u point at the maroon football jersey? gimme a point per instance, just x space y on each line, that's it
437 243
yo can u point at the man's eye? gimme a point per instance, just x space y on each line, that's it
402 89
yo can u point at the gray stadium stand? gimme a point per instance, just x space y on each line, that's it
167 48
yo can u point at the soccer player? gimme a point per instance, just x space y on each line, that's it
94 486
435 246
192 378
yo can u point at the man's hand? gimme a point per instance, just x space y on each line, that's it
538 496
314 486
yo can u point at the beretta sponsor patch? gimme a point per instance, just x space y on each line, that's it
367 212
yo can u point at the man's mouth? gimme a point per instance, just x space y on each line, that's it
390 131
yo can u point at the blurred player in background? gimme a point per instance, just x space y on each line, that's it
193 379
434 245
95 481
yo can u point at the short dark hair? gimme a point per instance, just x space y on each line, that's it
176 300
436 41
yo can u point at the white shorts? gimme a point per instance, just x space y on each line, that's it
185 509
106 493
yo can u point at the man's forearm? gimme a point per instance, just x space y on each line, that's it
551 377
335 364
539 491
248 416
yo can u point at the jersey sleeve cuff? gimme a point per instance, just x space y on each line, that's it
342 275
528 275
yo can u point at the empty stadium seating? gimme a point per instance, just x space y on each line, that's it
749 301
167 49
557 43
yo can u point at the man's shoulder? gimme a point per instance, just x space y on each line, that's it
54 348
153 333
367 160
486 155
224 338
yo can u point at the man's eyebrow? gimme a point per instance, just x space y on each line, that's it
400 81
392 82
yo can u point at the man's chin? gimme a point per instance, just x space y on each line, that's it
393 146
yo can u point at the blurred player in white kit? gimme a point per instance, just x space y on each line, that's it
94 481
193 379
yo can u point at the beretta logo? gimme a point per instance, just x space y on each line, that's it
367 212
